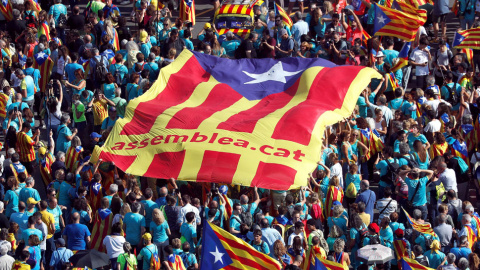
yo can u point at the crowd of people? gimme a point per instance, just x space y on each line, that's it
420 144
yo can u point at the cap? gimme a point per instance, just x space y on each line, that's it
42 151
207 26
223 189
143 36
283 32
31 201
399 232
379 54
60 241
94 135
147 236
374 227
337 203
112 109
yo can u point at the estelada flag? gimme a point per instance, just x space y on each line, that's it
226 251
250 122
279 11
102 226
3 105
45 168
44 63
467 39
18 265
402 57
316 261
395 23
187 10
6 9
423 228
411 264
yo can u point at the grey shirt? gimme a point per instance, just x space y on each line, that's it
440 7
444 232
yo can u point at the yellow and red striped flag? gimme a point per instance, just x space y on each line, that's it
250 122
411 264
315 260
334 194
469 54
187 10
225 251
6 9
71 158
3 105
467 39
423 228
44 64
471 236
44 29
285 18
400 248
394 23
102 226
45 168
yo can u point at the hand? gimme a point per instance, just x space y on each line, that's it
37 132
51 133
74 130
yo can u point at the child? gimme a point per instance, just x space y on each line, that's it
176 245
188 258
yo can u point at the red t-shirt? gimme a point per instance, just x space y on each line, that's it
353 34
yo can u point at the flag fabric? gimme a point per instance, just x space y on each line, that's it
400 248
3 105
110 55
285 18
71 157
469 54
333 194
174 261
476 217
315 261
402 57
35 6
44 64
116 42
102 226
225 251
45 168
469 135
407 7
392 80
44 29
471 235
423 228
96 195
437 150
394 23
371 139
187 10
235 9
411 264
467 39
460 150
18 265
250 126
228 206
6 9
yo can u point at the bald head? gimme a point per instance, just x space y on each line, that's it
163 192
76 217
364 184
213 204
243 199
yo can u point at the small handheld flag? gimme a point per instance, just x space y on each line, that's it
467 39
285 18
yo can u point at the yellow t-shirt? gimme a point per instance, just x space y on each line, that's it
48 219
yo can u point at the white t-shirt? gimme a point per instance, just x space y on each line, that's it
55 116
433 126
434 104
336 170
15 81
114 245
290 238
420 57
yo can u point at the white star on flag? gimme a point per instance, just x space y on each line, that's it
381 19
276 73
460 39
41 55
218 255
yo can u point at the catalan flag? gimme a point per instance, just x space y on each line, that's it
400 248
102 226
476 217
95 193
402 56
411 264
285 18
469 54
459 149
174 261
44 64
18 265
315 261
6 9
407 7
333 194
225 251
372 140
3 104
467 39
45 168
44 29
228 206
468 133
394 23
35 6
471 235
250 122
187 10
437 150
71 157
423 228
110 55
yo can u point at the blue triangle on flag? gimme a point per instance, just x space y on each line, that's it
381 19
458 39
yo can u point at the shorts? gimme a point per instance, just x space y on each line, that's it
440 18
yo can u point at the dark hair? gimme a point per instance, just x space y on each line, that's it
190 216
117 228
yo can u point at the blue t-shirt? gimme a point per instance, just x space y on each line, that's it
56 212
154 70
76 236
147 253
56 10
70 70
26 234
107 123
35 74
387 236
62 142
133 223
411 139
35 255
27 192
230 46
119 69
189 232
149 206
21 219
63 198
355 178
12 197
159 232
420 197
362 106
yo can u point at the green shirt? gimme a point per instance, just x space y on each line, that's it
123 258
120 105
80 108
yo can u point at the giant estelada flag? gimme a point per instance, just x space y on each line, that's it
250 122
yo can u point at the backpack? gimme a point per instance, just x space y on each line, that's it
30 19
247 217
185 257
100 70
362 234
118 76
261 246
453 97
423 261
62 21
391 174
351 191
296 47
374 239
411 161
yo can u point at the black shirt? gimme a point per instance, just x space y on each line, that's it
58 165
98 32
15 28
247 45
178 44
124 33
76 22
4 223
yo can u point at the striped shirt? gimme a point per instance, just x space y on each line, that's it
99 112
25 147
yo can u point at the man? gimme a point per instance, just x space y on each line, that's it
29 191
110 10
419 58
25 145
148 251
386 205
187 208
54 13
112 190
134 225
299 28
441 8
246 48
230 44
27 88
109 122
335 27
188 230
299 231
71 67
20 217
382 105
447 177
76 235
149 206
49 221
31 230
355 29
40 225
418 197
462 251
76 20
56 211
368 197
449 88
235 220
444 232
267 45
269 235
450 262
59 163
32 72
467 222
297 261
120 103
17 25
174 42
6 261
286 46
93 64
61 255
162 196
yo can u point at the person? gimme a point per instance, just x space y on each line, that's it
258 244
444 232
150 250
414 182
76 235
6 261
60 256
134 225
339 255
419 58
114 244
65 135
462 251
387 205
434 255
126 259
368 197
35 253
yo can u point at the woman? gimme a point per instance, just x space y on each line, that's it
132 51
355 236
34 249
340 256
31 42
334 194
109 86
43 26
338 218
346 153
133 89
79 84
280 253
317 26
65 135
127 258
114 244
45 48
63 60
305 48
12 235
12 196
159 229
109 30
439 147
297 247
473 261
217 49
334 234
421 155
165 33
320 184
409 106
124 210
380 124
28 119
441 61
81 207
53 111
434 255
